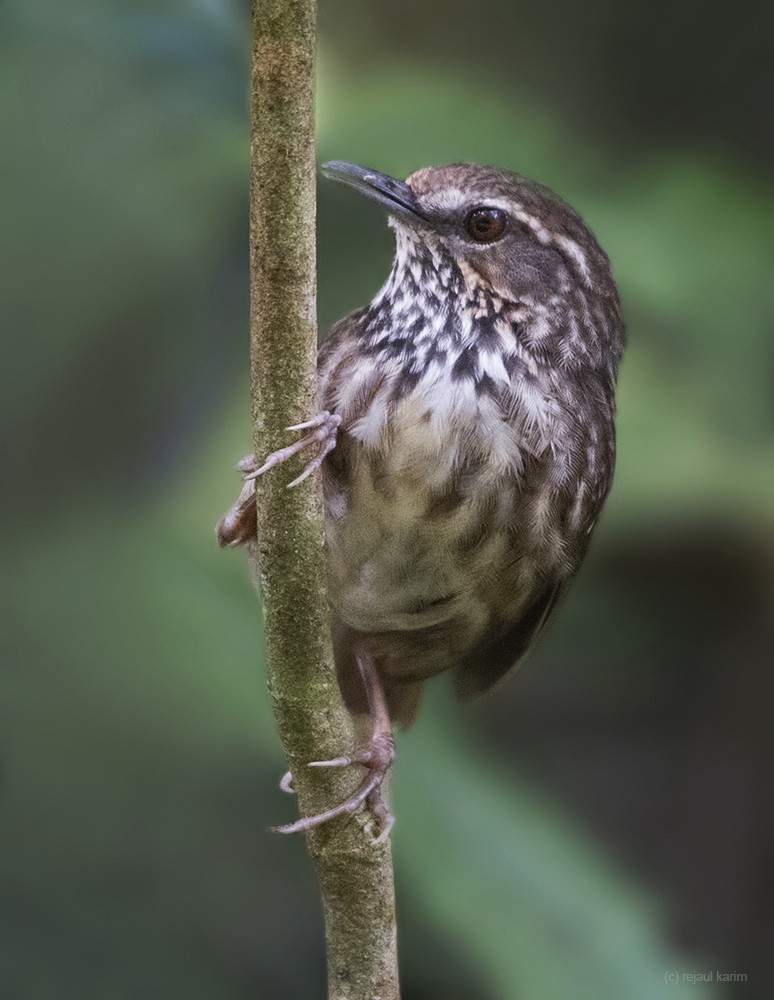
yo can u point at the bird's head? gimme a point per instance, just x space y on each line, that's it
505 233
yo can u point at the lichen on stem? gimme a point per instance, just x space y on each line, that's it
355 874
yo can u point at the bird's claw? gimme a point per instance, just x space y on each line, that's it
377 757
238 526
322 436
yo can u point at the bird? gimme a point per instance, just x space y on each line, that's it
466 443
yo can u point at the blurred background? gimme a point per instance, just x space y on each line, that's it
601 826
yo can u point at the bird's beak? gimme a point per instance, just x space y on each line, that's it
395 195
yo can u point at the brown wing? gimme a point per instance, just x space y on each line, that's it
492 660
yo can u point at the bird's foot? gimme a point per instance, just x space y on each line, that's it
376 757
238 526
322 434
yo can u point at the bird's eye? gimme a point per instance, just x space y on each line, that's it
484 225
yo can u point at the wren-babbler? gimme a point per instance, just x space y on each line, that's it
466 443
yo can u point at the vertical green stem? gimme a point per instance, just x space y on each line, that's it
355 874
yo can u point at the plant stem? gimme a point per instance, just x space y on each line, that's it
355 875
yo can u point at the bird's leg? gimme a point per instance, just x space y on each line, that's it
238 526
376 756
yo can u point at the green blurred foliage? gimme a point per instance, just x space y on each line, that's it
594 825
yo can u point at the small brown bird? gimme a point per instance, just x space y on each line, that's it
467 441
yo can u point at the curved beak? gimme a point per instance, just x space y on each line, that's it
395 195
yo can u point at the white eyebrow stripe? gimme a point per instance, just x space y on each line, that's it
573 251
564 243
451 199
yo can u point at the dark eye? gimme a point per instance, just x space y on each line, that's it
485 224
